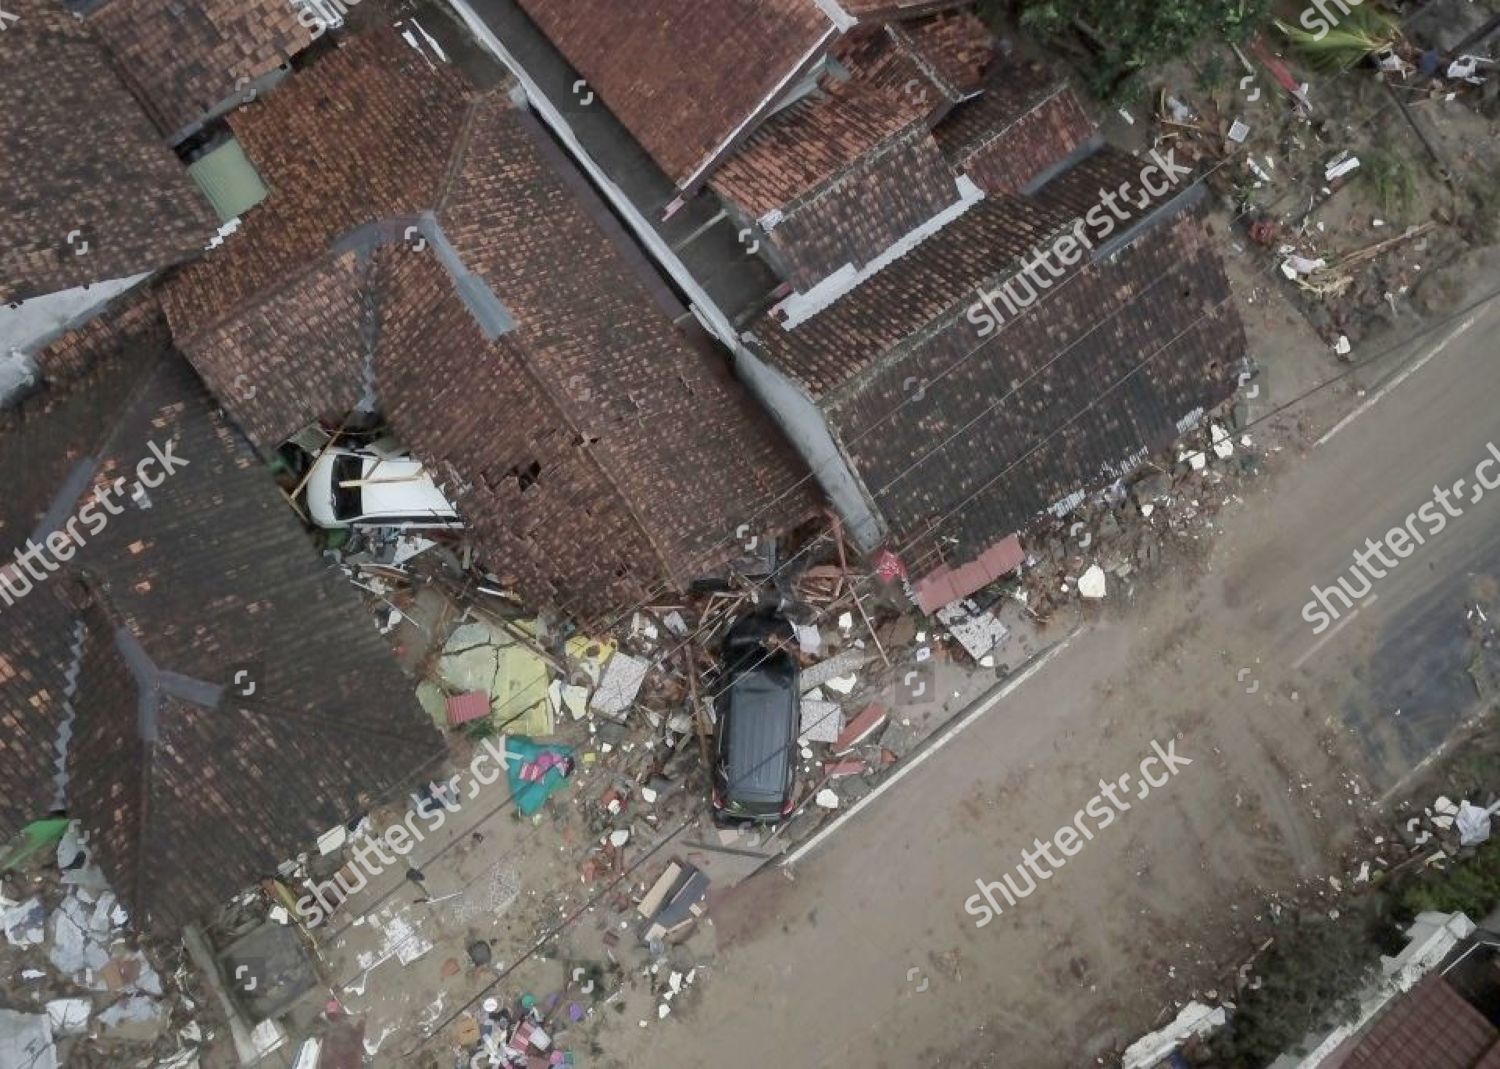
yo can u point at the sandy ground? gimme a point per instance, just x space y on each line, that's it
868 957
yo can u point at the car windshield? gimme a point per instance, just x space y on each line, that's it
346 499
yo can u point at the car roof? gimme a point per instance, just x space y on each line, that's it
407 489
762 712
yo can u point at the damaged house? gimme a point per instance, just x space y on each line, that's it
118 163
469 291
179 670
905 173
94 201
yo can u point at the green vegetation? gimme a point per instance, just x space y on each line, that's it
1471 885
1309 979
1213 75
1362 32
1131 36
1393 178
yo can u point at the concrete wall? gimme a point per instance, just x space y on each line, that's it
803 424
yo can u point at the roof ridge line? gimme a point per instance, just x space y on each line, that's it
898 34
460 152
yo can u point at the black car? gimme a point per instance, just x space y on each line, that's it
758 711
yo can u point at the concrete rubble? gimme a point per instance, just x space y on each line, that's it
95 987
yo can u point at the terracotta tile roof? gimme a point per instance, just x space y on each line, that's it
1020 127
294 354
683 76
908 324
323 143
184 59
207 573
954 49
88 375
133 320
839 176
946 584
880 200
588 380
1140 343
81 156
35 657
1431 1026
938 278
623 416
812 143
872 55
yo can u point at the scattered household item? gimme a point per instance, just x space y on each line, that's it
621 682
674 903
535 771
1091 584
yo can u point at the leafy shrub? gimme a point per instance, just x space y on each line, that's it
1133 35
1310 979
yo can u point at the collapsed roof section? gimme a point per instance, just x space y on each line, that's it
475 292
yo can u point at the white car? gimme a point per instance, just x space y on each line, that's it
349 488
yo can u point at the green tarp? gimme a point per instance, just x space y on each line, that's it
34 838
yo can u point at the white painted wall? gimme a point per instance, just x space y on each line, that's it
34 323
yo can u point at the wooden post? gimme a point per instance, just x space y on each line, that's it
699 719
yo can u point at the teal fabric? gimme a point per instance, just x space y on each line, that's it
531 796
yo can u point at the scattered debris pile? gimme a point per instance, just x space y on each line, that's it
81 986
1362 185
526 1034
1166 509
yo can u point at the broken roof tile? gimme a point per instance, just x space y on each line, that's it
554 359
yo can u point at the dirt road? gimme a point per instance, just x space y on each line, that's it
869 958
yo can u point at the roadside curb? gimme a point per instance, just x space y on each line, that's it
950 730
